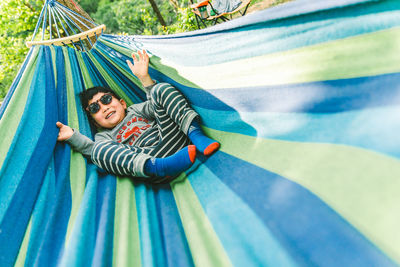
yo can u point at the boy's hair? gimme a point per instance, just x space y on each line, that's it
88 94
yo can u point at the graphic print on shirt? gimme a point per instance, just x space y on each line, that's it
132 130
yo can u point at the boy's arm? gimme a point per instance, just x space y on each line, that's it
111 156
118 158
75 139
65 132
140 68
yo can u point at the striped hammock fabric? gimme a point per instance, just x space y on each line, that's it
305 100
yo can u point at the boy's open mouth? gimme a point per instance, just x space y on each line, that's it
110 114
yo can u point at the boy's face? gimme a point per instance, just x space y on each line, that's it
109 115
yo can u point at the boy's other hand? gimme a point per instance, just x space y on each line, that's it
65 132
140 67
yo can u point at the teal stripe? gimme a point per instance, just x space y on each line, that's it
12 115
152 250
81 243
359 185
376 129
8 183
38 219
244 236
204 244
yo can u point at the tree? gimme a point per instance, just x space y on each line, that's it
17 23
157 11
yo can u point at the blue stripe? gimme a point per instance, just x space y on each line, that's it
310 231
134 93
42 111
242 233
79 86
364 109
40 217
52 238
375 129
105 215
51 235
62 151
176 248
152 247
308 112
314 97
94 74
81 243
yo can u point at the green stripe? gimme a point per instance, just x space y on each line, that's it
24 246
87 80
53 57
123 50
155 63
126 228
77 165
204 244
364 55
12 116
361 185
174 73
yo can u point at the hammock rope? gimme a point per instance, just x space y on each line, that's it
77 29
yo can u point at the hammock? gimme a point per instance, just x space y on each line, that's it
305 100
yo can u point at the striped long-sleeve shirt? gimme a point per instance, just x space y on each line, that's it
154 128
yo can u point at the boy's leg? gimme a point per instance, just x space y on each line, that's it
134 161
171 107
174 113
120 159
172 165
204 144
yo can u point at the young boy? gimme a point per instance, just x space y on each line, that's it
150 139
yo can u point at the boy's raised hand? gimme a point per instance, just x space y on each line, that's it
140 67
65 132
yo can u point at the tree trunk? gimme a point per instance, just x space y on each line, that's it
157 11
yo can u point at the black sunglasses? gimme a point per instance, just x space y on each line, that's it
95 107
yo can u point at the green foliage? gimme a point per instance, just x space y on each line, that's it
91 6
17 23
278 2
137 16
185 21
134 17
